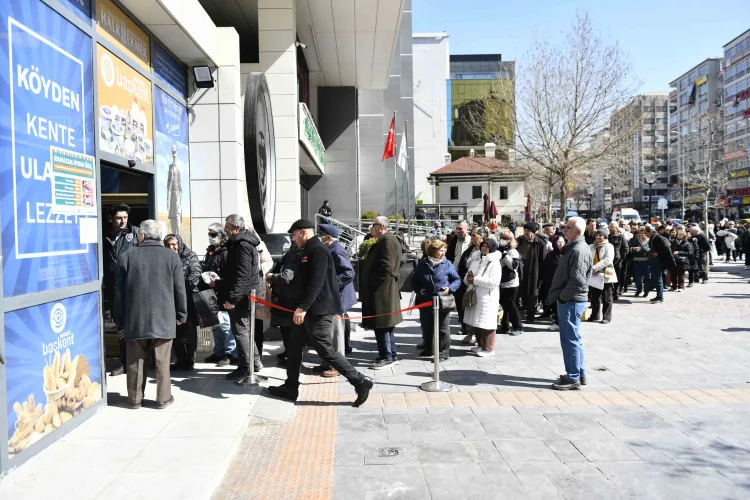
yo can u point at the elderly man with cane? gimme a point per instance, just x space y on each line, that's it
318 302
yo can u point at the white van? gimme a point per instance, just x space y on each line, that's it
628 214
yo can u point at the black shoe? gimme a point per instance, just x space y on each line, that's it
234 361
562 378
320 368
544 315
363 392
442 357
594 320
213 359
566 385
258 367
424 353
348 350
690 285
615 298
281 355
117 371
223 362
161 406
240 372
420 347
383 363
503 329
656 300
705 280
282 391
637 294
516 331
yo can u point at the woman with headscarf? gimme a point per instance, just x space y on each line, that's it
604 255
187 333
482 282
509 284
549 268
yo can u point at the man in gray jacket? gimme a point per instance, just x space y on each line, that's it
569 289
150 302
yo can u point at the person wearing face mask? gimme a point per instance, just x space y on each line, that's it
225 347
601 298
434 275
187 333
509 282
148 310
483 278
470 254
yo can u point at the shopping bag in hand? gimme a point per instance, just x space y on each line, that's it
206 307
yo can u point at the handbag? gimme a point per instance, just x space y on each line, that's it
206 307
470 297
446 299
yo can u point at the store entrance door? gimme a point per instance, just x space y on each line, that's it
134 189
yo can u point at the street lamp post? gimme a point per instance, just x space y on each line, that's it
650 178
591 195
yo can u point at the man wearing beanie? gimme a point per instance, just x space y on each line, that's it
318 301
533 250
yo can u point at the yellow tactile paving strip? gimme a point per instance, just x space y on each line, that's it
553 398
288 461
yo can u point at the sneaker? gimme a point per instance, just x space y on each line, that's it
363 392
562 378
656 300
117 371
476 349
566 385
238 373
690 285
330 373
382 363
258 367
468 340
484 354
161 406
516 331
553 328
213 359
747 268
283 391
637 294
223 362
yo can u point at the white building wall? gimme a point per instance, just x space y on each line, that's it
431 72
513 206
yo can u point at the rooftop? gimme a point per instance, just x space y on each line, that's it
477 165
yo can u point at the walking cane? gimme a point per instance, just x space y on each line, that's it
252 379
435 385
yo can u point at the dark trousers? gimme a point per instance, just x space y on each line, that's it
529 303
184 344
317 332
139 352
620 278
240 322
347 331
642 276
427 320
260 336
731 253
601 299
657 280
746 249
678 278
511 315
386 341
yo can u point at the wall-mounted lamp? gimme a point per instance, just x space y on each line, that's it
202 77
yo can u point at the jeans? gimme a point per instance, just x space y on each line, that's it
569 315
224 343
642 276
317 332
240 321
656 282
427 320
386 340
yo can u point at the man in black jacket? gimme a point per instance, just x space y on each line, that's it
533 250
241 275
318 301
661 259
120 238
704 248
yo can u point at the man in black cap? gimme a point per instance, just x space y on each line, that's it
533 250
318 301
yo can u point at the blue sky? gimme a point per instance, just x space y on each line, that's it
663 39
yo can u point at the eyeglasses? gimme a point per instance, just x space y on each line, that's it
213 235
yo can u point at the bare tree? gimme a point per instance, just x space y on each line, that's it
566 95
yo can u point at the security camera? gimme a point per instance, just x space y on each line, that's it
131 163
300 44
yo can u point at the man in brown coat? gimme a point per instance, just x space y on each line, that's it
379 291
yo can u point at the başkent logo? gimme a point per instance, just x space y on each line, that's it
260 153
58 316
107 67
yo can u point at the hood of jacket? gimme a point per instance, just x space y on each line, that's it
247 236
492 257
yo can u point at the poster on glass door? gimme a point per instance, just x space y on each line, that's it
46 150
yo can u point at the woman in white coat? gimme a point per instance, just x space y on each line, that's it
603 271
483 278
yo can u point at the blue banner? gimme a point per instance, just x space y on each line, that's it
172 162
54 356
168 69
80 7
46 101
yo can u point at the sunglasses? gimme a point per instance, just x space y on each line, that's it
213 235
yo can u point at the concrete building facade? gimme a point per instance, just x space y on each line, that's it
737 117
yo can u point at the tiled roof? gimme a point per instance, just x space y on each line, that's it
477 165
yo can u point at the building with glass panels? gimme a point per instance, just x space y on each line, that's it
736 67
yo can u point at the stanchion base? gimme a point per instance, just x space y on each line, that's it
251 380
433 386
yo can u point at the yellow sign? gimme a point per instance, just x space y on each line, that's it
738 174
695 199
125 109
700 81
115 26
746 200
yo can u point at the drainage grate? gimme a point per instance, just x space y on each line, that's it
388 452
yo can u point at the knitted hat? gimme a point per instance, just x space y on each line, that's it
603 231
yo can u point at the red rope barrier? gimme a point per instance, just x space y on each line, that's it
270 304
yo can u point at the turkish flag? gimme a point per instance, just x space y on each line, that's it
390 143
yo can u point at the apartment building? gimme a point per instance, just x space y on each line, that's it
737 118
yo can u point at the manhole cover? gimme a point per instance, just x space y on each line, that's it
388 452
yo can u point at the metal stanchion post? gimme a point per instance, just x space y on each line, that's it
252 379
435 385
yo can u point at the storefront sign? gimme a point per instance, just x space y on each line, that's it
125 116
695 199
636 163
172 165
746 200
73 182
737 153
738 174
741 96
115 26
80 7
260 153
46 108
736 202
168 69
740 191
53 371
309 137
700 81
746 113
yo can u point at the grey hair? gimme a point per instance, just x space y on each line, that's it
150 229
463 222
383 221
236 220
219 229
579 223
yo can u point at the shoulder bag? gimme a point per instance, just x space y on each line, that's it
470 297
446 299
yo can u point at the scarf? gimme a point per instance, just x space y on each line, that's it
433 261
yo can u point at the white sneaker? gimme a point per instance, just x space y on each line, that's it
485 353
553 328
476 349
468 340
747 268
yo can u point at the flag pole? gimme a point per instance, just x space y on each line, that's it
408 192
395 168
